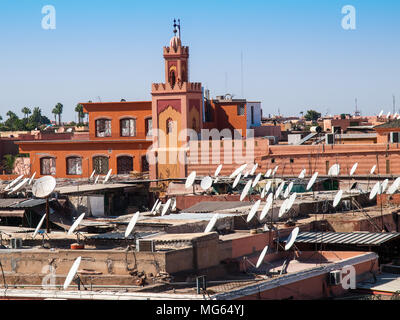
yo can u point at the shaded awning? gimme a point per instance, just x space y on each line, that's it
346 238
12 213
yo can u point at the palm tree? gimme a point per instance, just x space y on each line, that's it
11 114
79 110
26 111
55 112
59 107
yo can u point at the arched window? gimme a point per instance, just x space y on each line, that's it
74 165
170 125
103 128
100 164
128 127
124 164
172 78
48 166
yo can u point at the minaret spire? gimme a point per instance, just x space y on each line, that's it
177 28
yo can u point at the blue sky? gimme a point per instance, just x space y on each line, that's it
296 55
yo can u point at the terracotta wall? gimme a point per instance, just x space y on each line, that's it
87 150
225 117
116 111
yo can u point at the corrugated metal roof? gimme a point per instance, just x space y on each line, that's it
213 206
357 238
7 203
30 203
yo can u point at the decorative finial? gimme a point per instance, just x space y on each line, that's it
175 25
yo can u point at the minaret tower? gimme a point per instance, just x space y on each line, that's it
176 107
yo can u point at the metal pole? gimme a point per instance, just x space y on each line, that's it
47 215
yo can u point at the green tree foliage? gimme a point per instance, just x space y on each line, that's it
312 115
14 123
8 163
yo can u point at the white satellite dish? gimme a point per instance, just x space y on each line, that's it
374 191
246 189
166 207
388 114
288 189
246 174
19 185
261 258
337 199
211 224
253 210
43 187
13 183
302 174
237 179
190 179
395 115
69 130
372 169
292 238
75 224
275 170
380 114
279 189
206 183
312 181
72 272
282 209
268 173
262 196
268 186
215 180
107 176
266 208
218 170
173 207
237 171
158 207
97 179
334 170
384 185
31 179
39 226
256 180
154 206
92 175
292 198
395 186
132 224
353 169
253 170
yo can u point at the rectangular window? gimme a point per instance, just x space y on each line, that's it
103 128
74 165
240 110
149 127
252 114
100 164
48 166
128 127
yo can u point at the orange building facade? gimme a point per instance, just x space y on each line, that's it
119 136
